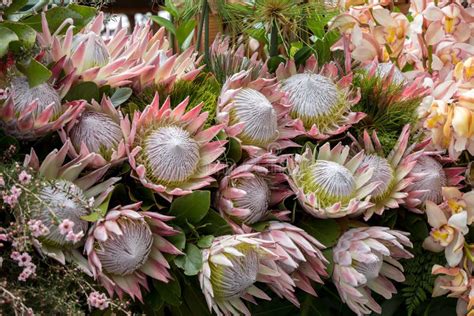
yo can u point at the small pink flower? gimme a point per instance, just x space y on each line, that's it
24 177
37 228
66 227
3 237
2 182
74 237
15 255
24 260
98 300
10 200
15 191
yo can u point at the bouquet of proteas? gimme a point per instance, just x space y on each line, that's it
312 159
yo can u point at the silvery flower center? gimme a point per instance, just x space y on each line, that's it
383 69
382 172
23 96
97 130
256 199
431 178
230 282
312 96
61 200
370 270
126 253
259 116
330 179
172 154
96 53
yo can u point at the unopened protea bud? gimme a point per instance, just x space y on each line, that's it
126 246
95 53
387 71
64 196
170 152
97 130
320 105
327 184
254 112
365 259
231 267
250 191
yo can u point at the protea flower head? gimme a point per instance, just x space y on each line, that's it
88 57
231 267
255 113
169 151
126 246
301 259
97 130
430 176
387 71
391 171
320 103
249 191
65 195
328 185
226 59
32 112
365 259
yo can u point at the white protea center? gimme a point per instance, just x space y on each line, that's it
382 172
257 198
60 200
330 181
96 52
314 99
258 115
98 131
172 155
370 269
231 282
431 177
124 254
44 93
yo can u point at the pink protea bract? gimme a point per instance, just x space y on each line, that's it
320 101
255 112
328 184
250 191
364 260
169 150
97 130
126 246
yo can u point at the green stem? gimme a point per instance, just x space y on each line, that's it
273 49
201 25
206 33
172 37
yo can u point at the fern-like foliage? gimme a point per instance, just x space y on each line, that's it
418 285
387 111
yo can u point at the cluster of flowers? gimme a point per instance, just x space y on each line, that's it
172 153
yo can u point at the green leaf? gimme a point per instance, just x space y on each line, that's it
145 195
6 37
179 240
87 90
327 231
92 217
205 241
234 150
26 35
192 207
15 6
302 55
171 8
164 22
191 261
87 13
36 72
184 30
215 225
104 207
170 292
120 96
274 62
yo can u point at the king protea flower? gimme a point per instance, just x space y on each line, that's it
126 246
249 191
97 130
327 184
231 267
430 176
170 152
254 112
65 195
391 171
88 57
301 259
320 101
365 259
32 112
